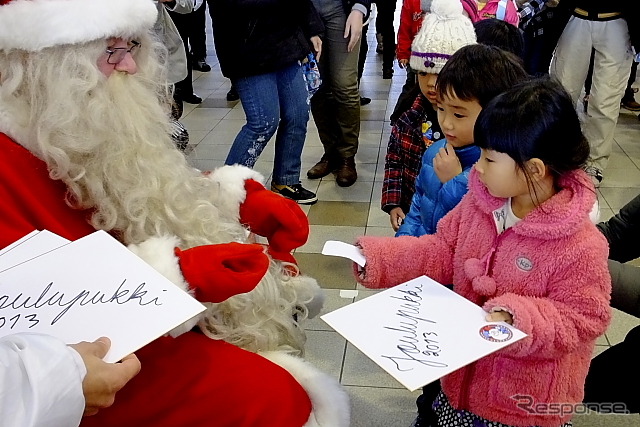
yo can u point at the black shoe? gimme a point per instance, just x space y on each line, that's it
387 73
364 100
192 99
595 174
232 95
296 192
201 65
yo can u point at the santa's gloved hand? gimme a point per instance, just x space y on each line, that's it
275 217
285 256
217 272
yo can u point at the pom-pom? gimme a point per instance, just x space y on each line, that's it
447 8
484 285
473 267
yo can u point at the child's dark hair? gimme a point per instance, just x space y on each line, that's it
479 72
494 32
534 119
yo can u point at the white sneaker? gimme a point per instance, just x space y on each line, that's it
595 174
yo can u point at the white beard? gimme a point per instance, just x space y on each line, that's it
116 156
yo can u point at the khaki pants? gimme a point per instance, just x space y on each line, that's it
336 105
611 67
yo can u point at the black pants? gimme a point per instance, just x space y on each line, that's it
384 26
614 377
424 402
539 48
191 27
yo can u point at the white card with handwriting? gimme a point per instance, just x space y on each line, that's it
420 331
90 288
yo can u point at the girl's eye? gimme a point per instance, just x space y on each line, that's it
488 160
440 108
459 116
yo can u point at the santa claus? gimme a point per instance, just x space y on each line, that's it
85 144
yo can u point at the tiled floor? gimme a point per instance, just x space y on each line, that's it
345 213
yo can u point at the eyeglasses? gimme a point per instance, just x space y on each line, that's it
117 54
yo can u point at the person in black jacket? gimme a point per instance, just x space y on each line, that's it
260 44
614 375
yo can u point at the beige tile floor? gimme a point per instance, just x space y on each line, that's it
345 213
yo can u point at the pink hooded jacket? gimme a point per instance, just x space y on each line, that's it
549 271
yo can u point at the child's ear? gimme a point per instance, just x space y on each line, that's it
537 169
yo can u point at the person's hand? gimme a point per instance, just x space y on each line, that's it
403 63
103 380
446 164
316 42
500 316
353 29
396 216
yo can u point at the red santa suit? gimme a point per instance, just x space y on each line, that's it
189 380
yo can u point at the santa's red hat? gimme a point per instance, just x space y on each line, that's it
32 25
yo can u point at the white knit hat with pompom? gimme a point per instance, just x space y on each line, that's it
444 30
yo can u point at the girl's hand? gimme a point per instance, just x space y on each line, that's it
316 41
446 164
500 316
403 63
396 216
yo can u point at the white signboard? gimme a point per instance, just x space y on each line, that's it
90 288
420 331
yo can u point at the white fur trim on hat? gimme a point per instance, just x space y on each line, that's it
329 401
443 32
33 25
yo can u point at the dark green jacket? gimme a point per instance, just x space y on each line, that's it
623 233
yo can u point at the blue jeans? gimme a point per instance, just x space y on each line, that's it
273 102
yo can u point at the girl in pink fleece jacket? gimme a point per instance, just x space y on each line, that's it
521 245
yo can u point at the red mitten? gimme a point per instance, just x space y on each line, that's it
282 256
217 272
277 218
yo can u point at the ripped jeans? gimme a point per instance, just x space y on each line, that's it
273 102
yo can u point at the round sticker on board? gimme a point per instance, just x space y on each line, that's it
496 333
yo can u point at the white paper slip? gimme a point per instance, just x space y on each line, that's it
90 288
344 250
420 331
18 242
30 246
